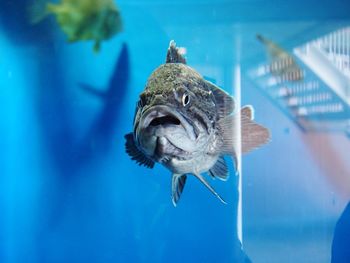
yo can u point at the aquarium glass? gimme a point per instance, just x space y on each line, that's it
71 73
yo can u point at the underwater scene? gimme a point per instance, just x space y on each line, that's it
174 131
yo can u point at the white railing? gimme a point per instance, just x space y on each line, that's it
336 47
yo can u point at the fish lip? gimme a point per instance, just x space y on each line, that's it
162 110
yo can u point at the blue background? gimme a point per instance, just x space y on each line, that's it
68 190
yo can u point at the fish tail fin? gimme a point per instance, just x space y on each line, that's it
38 10
253 135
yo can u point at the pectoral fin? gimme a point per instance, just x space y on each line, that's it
211 189
253 135
135 153
219 169
225 103
177 186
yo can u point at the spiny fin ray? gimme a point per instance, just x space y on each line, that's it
135 153
174 55
211 189
177 186
219 170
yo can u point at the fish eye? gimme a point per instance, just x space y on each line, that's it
185 99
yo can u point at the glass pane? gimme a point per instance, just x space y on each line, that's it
94 168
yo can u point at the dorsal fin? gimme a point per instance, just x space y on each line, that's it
225 104
174 55
135 153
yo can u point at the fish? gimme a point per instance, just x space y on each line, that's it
82 20
282 64
187 124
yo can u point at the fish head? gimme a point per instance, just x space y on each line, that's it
175 113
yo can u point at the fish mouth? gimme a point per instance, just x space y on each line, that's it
162 131
164 116
165 120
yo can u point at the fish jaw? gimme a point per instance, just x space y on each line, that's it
198 164
162 130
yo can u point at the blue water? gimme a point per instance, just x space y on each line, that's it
68 190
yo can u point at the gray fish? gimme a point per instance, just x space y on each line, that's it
187 124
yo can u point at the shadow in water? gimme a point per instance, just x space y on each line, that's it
73 159
69 220
66 155
70 155
341 239
100 136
